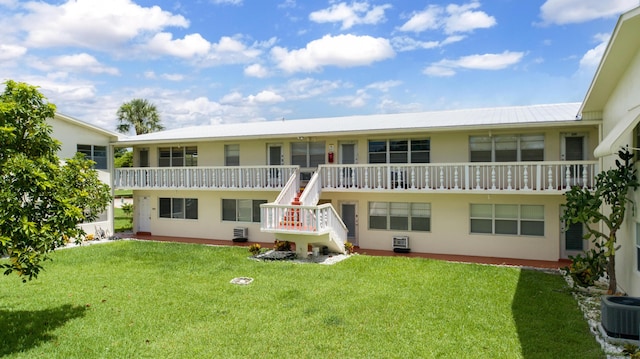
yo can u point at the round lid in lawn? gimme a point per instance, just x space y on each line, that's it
241 280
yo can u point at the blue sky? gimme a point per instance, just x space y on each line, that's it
227 61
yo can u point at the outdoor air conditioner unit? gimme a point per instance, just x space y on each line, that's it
401 244
620 316
240 234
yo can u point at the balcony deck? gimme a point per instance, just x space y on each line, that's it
547 177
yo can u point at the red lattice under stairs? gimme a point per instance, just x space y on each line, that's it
291 219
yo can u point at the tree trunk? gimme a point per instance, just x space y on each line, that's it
611 270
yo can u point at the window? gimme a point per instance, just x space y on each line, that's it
506 148
400 216
307 154
241 210
511 219
399 151
180 208
98 154
102 217
232 155
177 156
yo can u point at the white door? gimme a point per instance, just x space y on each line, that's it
144 214
349 214
573 149
348 156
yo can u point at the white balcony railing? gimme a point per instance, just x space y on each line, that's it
316 220
496 176
225 177
534 177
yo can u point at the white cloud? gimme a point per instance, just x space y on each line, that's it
428 19
256 70
560 12
354 101
230 50
192 45
462 18
82 63
93 24
384 86
300 89
265 97
501 61
11 52
591 59
406 43
342 51
349 15
453 19
172 77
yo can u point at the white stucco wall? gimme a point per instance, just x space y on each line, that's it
70 135
622 99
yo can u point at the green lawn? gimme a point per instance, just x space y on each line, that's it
121 222
135 299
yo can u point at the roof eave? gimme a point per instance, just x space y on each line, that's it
608 73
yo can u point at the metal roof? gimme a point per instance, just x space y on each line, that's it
465 119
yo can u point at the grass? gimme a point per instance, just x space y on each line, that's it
121 222
135 299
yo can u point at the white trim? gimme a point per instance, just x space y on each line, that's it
611 143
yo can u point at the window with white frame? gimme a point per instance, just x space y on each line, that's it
232 155
400 151
177 156
507 148
179 208
510 219
307 154
241 210
402 216
97 154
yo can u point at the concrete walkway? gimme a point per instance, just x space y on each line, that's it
374 252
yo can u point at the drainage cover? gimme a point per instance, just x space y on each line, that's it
242 280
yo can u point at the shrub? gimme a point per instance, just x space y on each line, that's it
585 270
348 247
282 246
127 208
255 248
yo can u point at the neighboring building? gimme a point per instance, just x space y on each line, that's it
482 182
77 136
614 99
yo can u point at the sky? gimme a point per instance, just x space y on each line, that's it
208 62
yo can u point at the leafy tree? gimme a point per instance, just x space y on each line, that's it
123 158
41 200
606 204
139 114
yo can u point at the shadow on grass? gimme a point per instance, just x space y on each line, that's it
23 330
548 320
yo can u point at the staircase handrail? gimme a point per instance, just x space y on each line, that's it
311 194
290 189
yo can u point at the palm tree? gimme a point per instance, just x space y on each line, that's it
140 114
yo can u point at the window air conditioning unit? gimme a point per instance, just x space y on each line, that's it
401 244
240 234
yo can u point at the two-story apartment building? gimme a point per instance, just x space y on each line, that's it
484 182
78 136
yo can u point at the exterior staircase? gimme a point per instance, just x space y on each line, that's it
296 217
